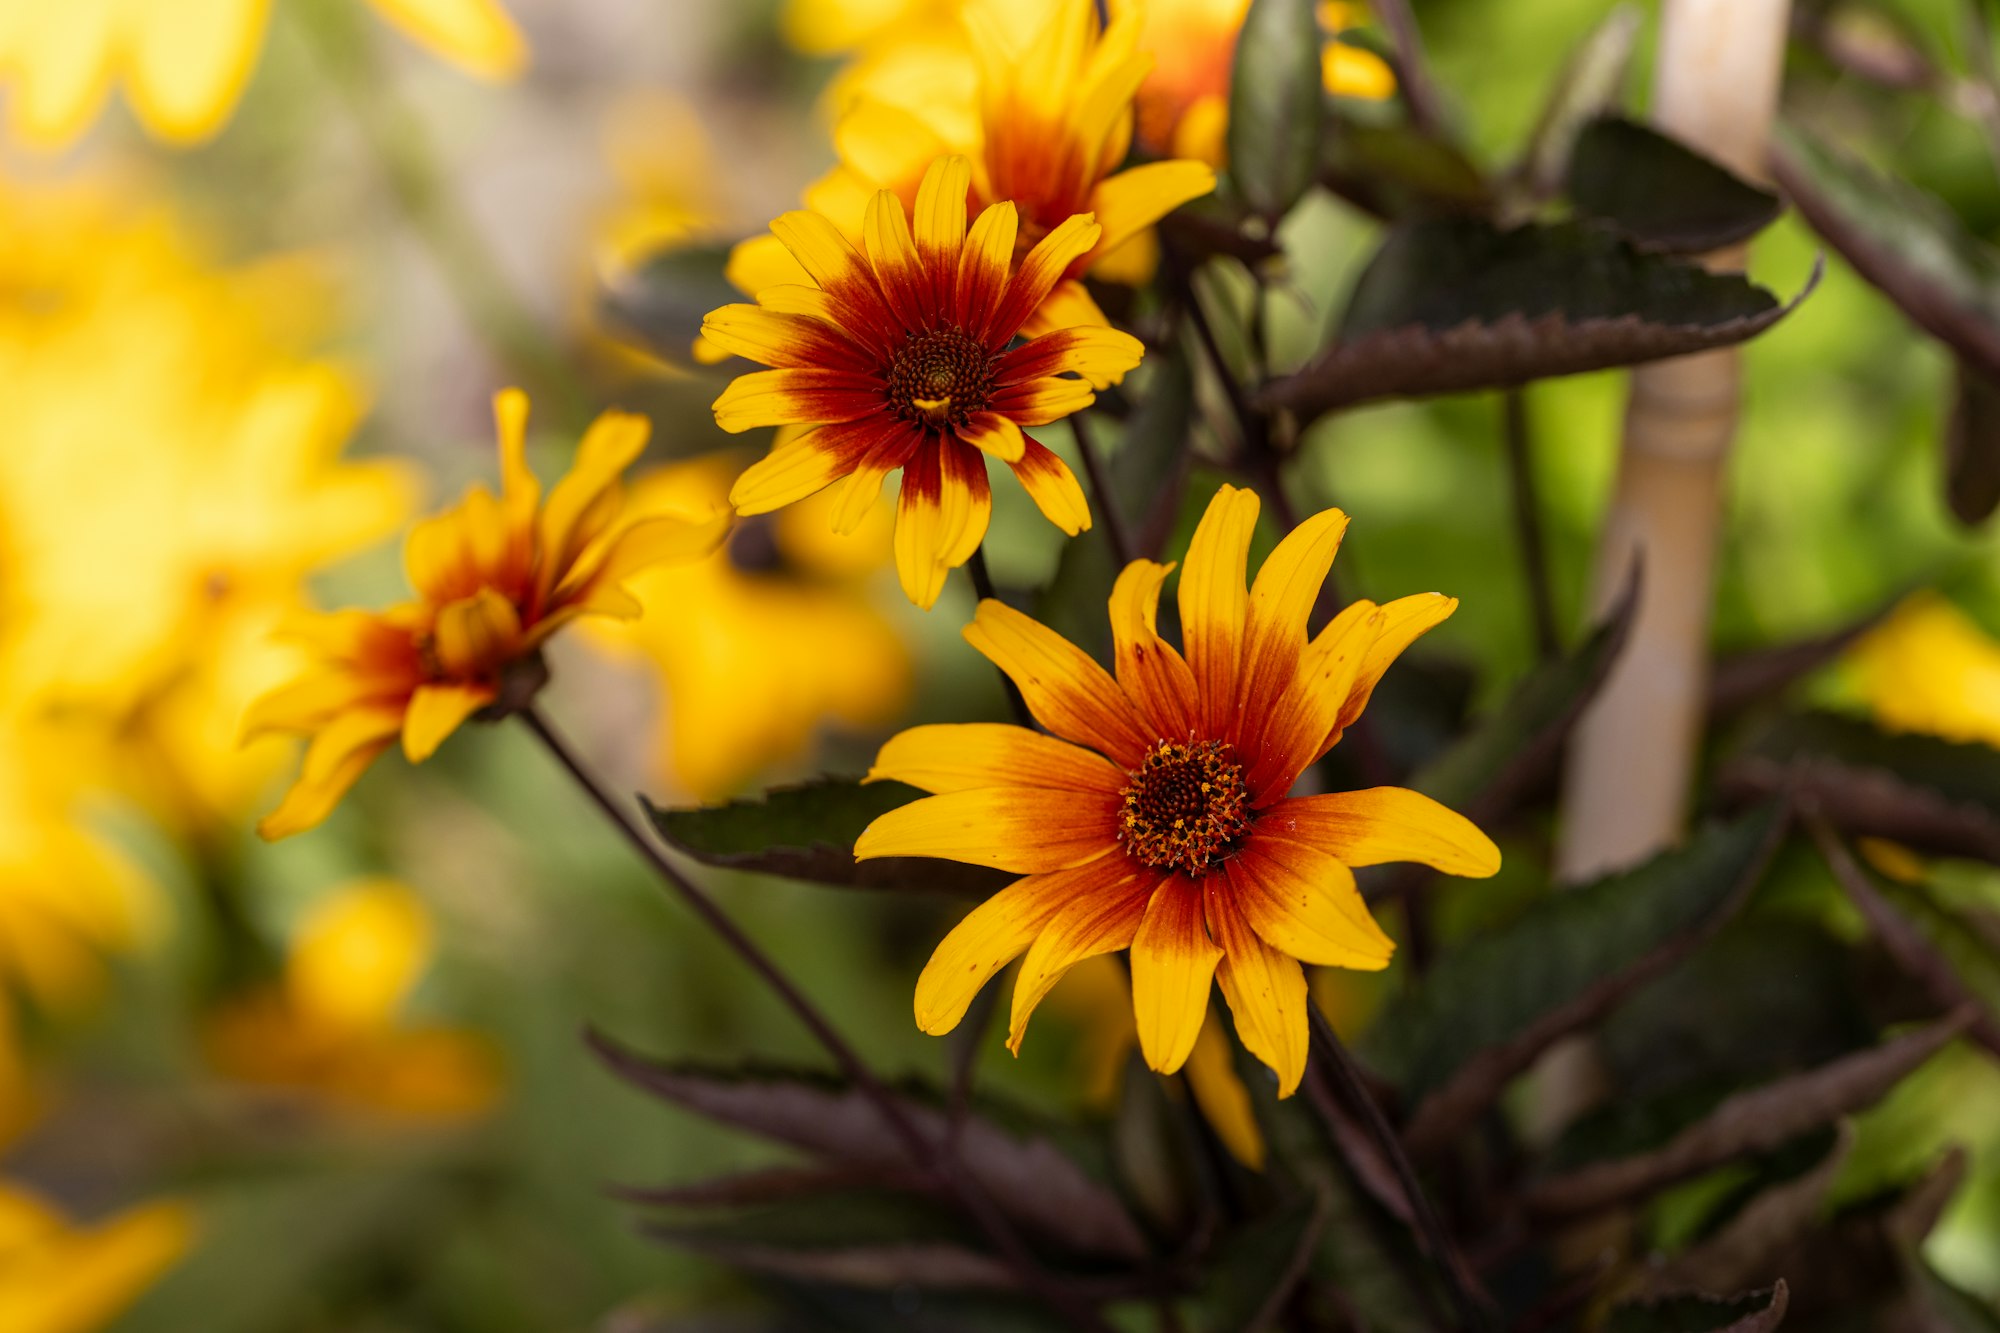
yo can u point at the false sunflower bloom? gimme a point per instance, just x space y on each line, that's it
183 66
495 577
1156 815
1045 121
897 356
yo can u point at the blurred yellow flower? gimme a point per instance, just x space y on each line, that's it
182 64
169 477
59 1277
726 629
1930 668
1184 103
1045 120
494 577
832 27
333 1025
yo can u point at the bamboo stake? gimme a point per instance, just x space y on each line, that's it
1631 760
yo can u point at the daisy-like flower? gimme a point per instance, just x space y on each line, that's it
1156 816
897 356
1045 120
495 577
183 66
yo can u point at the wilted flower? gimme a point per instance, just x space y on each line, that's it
183 66
494 579
899 359
1156 815
334 1025
1046 123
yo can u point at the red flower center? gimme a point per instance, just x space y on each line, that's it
940 377
1186 807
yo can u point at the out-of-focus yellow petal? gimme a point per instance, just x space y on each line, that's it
56 1278
1354 71
58 61
335 761
436 711
476 35
189 61
1224 1101
358 954
477 635
1131 201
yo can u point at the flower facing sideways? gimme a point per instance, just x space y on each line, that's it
1155 817
897 357
495 577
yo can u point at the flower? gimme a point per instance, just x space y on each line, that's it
1155 816
1184 103
829 27
494 579
334 1024
897 357
59 1277
183 68
1930 668
1046 121
726 629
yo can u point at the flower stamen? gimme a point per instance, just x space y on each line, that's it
940 377
1186 807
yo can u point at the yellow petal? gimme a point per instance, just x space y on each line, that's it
334 762
1266 991
476 35
1381 824
804 466
794 397
991 433
477 635
665 539
1280 603
1149 669
60 68
1224 1101
1173 962
576 510
188 62
520 490
1045 265
436 711
940 211
1053 487
1303 901
1093 923
358 954
962 756
1214 601
819 247
993 935
758 264
1404 621
758 333
1131 201
983 265
1024 829
1064 688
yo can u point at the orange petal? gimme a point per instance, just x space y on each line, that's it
806 465
1065 689
1173 962
1303 901
1150 670
796 398
477 635
983 265
1278 741
1381 824
1024 829
892 254
940 220
1131 201
1280 603
1214 602
1101 355
1039 402
1097 921
961 756
1266 990
1043 267
1052 486
994 934
1404 621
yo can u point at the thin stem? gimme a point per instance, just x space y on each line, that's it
1986 84
1100 489
1250 423
1412 70
1429 1226
402 146
982 587
926 1155
1528 523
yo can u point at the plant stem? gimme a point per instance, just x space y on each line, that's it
1438 1241
925 1155
401 144
1100 489
1412 69
982 587
1528 523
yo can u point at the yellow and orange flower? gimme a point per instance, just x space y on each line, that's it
897 356
1046 123
183 66
1184 103
494 579
1156 815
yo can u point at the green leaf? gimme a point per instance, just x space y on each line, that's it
1972 446
1258 1265
1906 243
1026 1176
1934 795
1275 105
1484 1012
1452 305
1660 194
1758 1312
1519 744
1400 173
808 832
1150 470
1075 602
